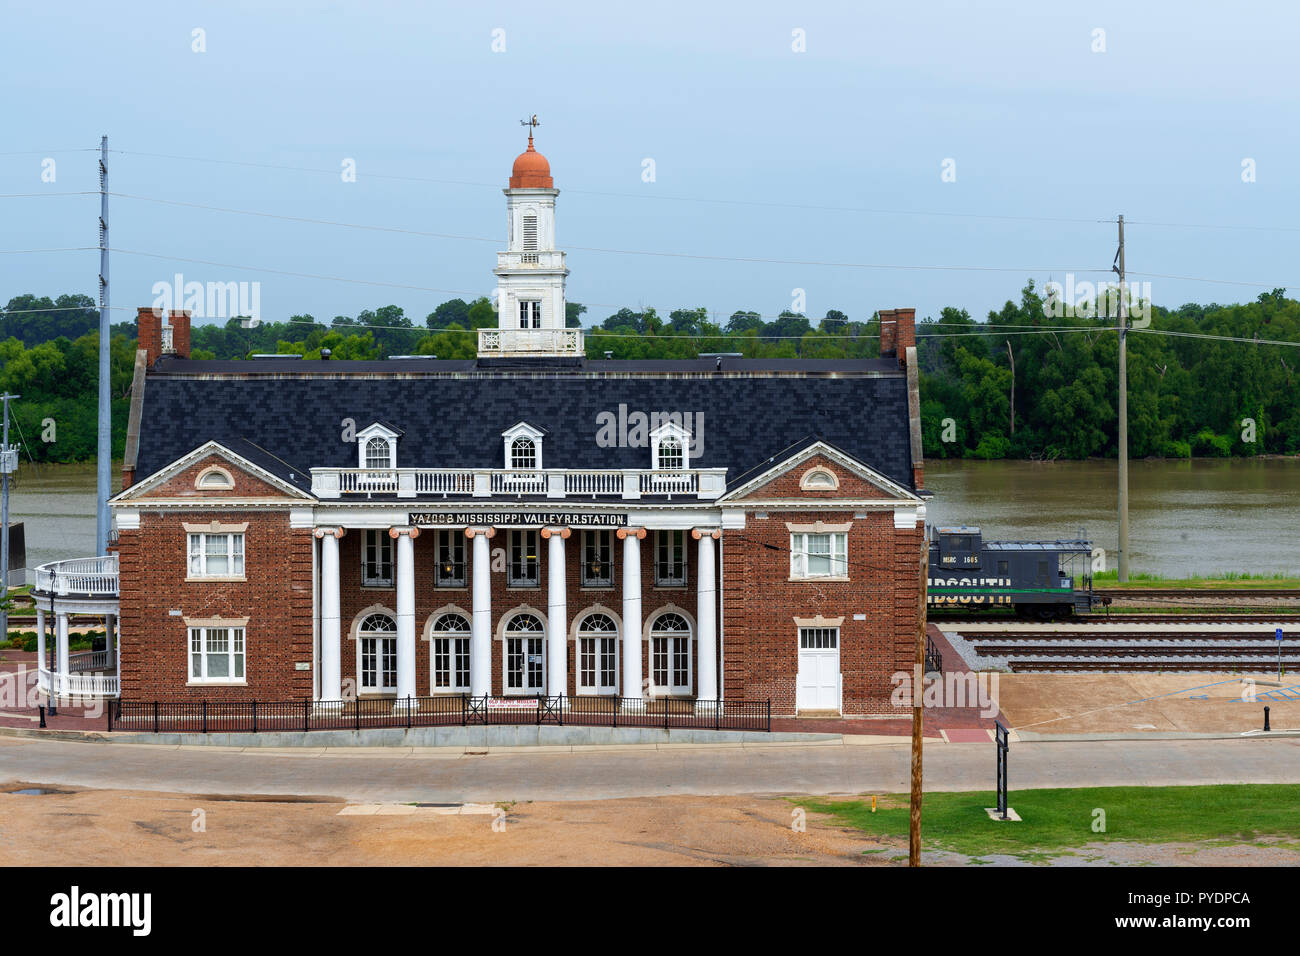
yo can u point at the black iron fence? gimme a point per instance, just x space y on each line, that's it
254 716
933 657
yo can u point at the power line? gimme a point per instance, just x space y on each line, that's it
763 260
84 192
20 252
631 195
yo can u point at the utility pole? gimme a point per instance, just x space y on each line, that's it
1123 409
8 463
918 677
105 449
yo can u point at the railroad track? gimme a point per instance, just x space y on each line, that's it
1217 594
1196 645
1102 619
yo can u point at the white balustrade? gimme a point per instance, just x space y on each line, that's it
706 483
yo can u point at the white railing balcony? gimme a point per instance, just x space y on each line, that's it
507 343
58 685
78 577
571 483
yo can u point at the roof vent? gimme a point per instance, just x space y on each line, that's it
325 355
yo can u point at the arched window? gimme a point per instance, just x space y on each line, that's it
523 454
525 651
212 477
449 654
597 655
378 453
670 654
671 457
819 479
377 655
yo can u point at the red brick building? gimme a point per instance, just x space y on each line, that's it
530 522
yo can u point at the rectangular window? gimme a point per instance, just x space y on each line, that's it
524 665
819 555
670 558
216 555
451 664
530 314
216 655
598 665
819 638
597 559
451 559
377 559
523 571
670 663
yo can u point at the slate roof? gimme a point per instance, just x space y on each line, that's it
289 416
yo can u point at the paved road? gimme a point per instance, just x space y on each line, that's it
383 776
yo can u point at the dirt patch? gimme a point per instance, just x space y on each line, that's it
127 828
1129 703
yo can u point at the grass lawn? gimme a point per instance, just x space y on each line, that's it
1228 579
1055 820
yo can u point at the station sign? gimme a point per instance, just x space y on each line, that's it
527 519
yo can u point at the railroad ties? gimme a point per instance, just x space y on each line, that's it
1169 643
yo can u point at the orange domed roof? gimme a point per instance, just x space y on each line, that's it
531 170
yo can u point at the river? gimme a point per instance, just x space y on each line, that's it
1187 517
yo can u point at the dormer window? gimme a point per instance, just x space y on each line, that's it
377 447
670 443
523 446
379 453
523 454
671 456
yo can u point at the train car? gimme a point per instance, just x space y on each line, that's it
1040 579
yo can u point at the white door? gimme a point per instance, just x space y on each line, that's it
818 684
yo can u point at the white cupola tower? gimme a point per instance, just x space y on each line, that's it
531 271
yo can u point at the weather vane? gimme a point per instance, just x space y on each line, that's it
531 124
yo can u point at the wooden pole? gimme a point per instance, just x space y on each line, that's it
918 675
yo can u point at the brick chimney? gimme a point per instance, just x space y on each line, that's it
148 323
888 334
897 333
180 323
905 320
156 339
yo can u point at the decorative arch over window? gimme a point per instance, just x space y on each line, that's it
375 631
377 446
448 634
671 653
523 649
523 447
214 478
819 479
597 653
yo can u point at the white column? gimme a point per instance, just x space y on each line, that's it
706 616
480 640
405 609
557 677
61 642
631 610
331 675
41 660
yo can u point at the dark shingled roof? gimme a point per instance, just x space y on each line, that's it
289 416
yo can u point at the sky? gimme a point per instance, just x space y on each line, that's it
849 156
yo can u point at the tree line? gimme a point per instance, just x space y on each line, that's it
1022 384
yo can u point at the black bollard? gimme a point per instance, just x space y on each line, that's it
1265 718
42 709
